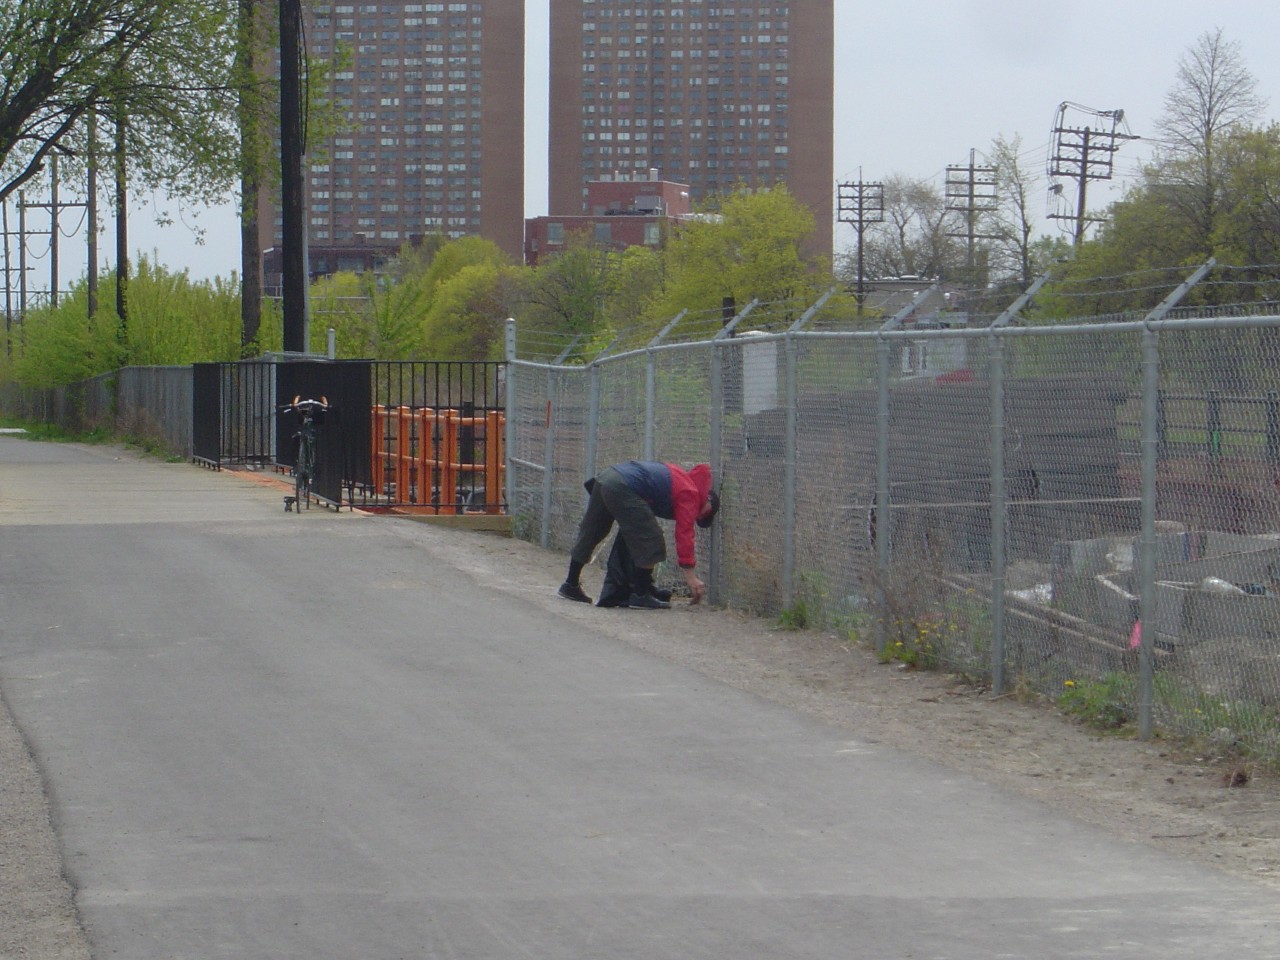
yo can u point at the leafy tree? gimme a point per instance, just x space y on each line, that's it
370 318
747 246
455 255
1150 230
567 292
174 320
1213 94
468 309
634 287
164 64
1249 227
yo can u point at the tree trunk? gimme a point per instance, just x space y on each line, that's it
250 181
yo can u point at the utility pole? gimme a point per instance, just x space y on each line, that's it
122 225
91 210
1083 154
22 255
55 207
861 204
8 283
293 232
971 192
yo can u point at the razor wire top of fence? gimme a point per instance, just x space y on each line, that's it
1226 290
1065 298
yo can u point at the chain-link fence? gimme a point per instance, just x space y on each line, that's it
1087 509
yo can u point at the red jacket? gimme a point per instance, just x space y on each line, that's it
674 494
689 491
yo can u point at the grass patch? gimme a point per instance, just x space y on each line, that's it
52 433
1107 704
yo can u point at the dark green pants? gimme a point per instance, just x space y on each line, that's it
612 500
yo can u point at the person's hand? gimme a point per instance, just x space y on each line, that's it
697 589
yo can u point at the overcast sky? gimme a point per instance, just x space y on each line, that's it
918 84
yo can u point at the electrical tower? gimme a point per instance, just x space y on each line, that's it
861 204
971 192
1083 154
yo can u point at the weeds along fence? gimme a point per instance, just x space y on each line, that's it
1087 509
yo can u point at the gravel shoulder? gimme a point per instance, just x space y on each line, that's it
1140 792
1146 792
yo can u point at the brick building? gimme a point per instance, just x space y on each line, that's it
711 93
620 214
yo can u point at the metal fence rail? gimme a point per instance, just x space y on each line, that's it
1087 505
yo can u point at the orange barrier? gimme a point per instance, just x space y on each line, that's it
416 456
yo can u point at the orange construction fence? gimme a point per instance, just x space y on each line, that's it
416 452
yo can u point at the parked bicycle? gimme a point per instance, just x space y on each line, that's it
310 414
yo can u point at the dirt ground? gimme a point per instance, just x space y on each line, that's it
1143 792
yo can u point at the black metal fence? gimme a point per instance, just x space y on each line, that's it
421 434
231 413
438 436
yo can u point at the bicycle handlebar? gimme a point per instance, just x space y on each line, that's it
305 406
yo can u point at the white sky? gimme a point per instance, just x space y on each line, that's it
918 84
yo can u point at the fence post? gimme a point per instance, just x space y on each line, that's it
1147 566
716 460
791 402
650 401
999 510
593 422
1152 421
882 516
789 475
999 497
548 461
509 403
651 383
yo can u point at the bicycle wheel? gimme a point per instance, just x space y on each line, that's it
302 471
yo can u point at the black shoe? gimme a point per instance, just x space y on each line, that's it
662 594
571 591
647 601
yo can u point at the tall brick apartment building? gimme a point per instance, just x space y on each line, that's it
434 93
712 93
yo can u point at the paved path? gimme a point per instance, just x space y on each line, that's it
272 735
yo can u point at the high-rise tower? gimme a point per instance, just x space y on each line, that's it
713 93
433 97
